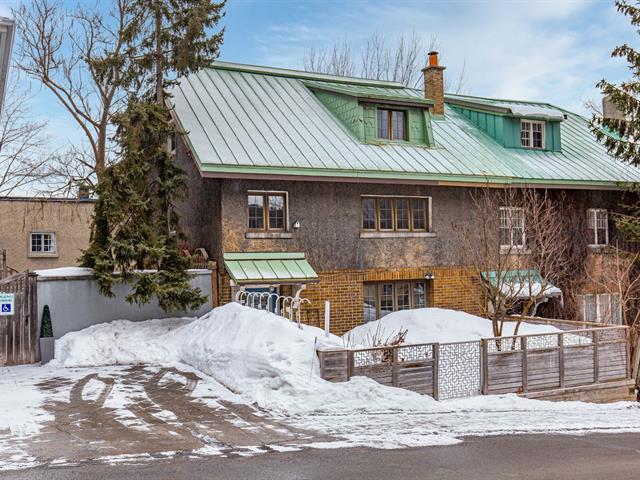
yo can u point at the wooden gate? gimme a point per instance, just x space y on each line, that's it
19 336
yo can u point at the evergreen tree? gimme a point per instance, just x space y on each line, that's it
136 228
620 134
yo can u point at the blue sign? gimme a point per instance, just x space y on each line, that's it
7 304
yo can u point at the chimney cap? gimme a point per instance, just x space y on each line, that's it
433 59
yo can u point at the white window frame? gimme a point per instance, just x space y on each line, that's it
42 233
593 242
606 304
530 131
511 245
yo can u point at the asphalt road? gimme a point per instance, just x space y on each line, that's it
597 456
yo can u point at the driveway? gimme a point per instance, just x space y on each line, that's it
131 413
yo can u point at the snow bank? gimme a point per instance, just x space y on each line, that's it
64 272
427 325
259 355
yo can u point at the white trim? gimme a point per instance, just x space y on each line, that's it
42 233
517 248
595 212
531 123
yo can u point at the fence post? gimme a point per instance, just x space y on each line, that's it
627 342
484 367
525 365
561 358
350 365
596 356
435 350
394 366
327 318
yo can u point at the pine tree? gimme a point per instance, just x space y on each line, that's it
620 135
136 228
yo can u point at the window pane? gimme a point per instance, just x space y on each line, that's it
276 211
616 309
418 214
383 123
397 122
525 134
591 227
402 214
402 296
589 308
601 226
36 242
537 129
368 213
385 205
419 295
256 211
48 243
505 227
370 300
386 299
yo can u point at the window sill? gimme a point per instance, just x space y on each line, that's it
397 234
268 235
42 255
597 248
506 250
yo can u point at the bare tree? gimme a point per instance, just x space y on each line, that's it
517 248
23 164
78 56
399 61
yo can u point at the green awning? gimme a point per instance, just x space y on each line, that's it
266 268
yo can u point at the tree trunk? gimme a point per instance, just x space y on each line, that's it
159 56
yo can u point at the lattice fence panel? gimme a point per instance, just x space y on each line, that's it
458 370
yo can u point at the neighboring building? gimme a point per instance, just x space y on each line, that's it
40 233
7 31
351 186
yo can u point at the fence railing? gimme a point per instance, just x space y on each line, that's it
283 305
517 364
19 336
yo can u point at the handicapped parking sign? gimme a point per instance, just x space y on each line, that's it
7 304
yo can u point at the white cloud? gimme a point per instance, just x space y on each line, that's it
547 50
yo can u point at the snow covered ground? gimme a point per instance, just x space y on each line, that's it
261 359
427 325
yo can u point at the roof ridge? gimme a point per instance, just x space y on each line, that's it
301 74
512 100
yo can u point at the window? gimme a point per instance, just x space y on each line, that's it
601 308
511 227
400 214
42 243
267 210
598 225
392 124
383 298
532 134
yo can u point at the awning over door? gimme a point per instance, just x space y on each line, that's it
522 284
268 268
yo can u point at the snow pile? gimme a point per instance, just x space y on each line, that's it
64 272
429 325
257 354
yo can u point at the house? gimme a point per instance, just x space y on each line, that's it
348 187
42 233
7 32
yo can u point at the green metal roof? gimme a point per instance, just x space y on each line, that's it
245 120
269 268
404 95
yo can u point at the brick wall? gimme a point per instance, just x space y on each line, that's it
452 287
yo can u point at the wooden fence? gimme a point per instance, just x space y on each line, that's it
19 336
518 364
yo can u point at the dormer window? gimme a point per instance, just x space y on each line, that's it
532 134
392 124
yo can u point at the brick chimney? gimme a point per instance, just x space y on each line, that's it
434 83
610 110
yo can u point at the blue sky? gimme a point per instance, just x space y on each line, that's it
552 50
